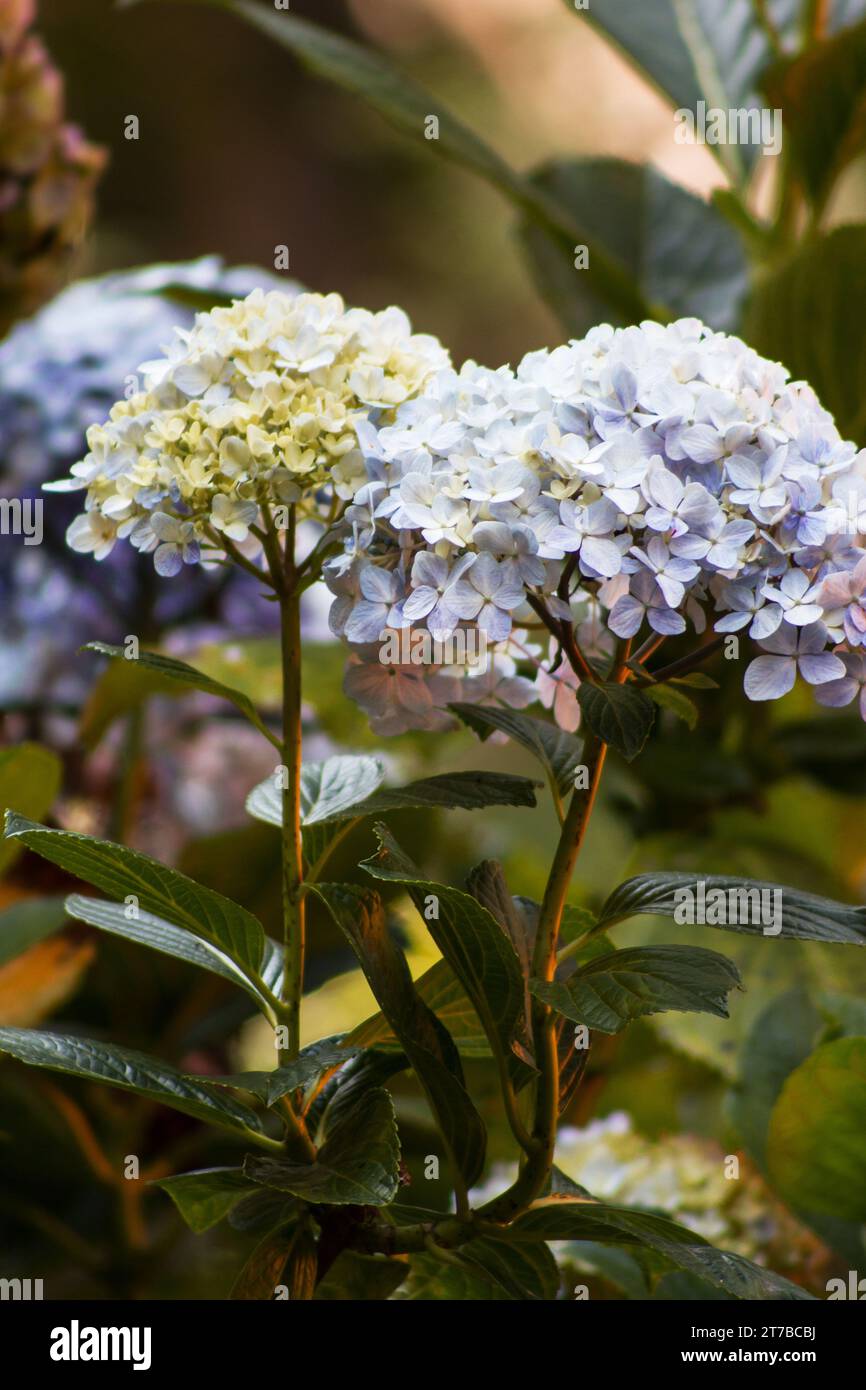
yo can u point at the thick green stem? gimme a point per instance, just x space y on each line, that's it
535 1171
292 842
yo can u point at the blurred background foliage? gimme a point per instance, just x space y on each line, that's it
240 151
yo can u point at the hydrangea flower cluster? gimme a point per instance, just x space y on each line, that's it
60 370
631 484
254 406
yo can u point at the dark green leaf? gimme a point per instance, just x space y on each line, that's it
667 697
26 923
781 1038
264 1268
131 1071
149 930
816 1145
432 1279
558 751
122 873
203 1198
679 248
361 1278
443 993
525 1270
167 668
309 1066
357 1165
563 1218
620 715
431 1052
612 990
471 941
804 915
809 313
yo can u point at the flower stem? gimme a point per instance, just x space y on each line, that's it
292 843
535 1171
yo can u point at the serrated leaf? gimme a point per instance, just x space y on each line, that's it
167 668
26 922
357 1165
804 915
205 1197
558 751
619 715
470 939
816 1143
121 872
30 777
131 1071
609 992
563 1218
427 1044
149 930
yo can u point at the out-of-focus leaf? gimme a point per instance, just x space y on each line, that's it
680 249
619 714
808 314
609 992
357 1165
823 95
816 1144
37 982
669 698
426 1042
804 915
29 782
167 668
122 873
203 1198
781 1038
121 688
26 922
830 751
131 1071
558 751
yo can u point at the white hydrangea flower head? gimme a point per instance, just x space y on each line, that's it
635 483
256 405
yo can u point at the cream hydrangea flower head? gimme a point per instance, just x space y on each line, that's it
255 406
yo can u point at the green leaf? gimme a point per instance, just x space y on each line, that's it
26 923
444 995
167 668
122 873
692 49
119 690
563 1218
309 1066
816 1145
804 915
457 1281
357 1165
780 1039
30 778
612 990
667 697
470 939
263 1269
808 313
431 1052
149 930
525 1270
359 1278
203 1198
342 789
618 714
406 105
558 752
678 248
131 1071
823 95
